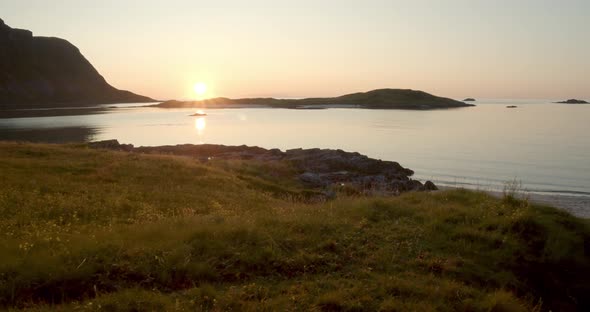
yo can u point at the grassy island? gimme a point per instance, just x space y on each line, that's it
102 230
375 99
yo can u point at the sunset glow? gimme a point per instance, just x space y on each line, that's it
295 155
200 89
348 47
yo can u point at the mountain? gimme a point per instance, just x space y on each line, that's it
45 71
378 99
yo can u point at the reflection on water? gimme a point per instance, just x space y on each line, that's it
50 135
545 146
200 125
48 112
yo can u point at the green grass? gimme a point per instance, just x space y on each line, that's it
99 230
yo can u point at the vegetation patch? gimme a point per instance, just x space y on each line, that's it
113 231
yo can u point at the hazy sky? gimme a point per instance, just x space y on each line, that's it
509 49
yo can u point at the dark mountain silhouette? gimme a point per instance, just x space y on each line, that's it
379 99
45 71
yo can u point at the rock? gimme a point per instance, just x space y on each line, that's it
198 115
315 168
511 106
469 100
275 151
44 72
312 179
111 144
429 186
573 101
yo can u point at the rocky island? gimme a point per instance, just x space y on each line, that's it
376 99
51 72
573 101
469 100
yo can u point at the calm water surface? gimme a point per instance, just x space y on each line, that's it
546 146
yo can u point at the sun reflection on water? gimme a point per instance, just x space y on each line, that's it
200 125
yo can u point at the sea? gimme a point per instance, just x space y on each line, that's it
540 147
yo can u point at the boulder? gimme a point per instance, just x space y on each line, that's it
111 144
312 179
429 186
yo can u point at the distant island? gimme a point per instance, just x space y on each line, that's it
573 101
469 100
376 99
45 71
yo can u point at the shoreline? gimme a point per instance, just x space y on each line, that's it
302 107
575 205
578 206
115 218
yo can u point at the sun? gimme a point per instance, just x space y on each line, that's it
200 88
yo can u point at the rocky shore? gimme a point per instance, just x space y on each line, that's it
324 169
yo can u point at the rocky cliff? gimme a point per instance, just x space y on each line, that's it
44 71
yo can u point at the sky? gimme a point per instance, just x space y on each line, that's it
453 48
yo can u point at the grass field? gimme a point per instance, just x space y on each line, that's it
84 229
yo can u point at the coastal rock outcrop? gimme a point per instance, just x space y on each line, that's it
315 168
111 144
46 71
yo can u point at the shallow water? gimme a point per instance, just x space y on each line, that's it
546 146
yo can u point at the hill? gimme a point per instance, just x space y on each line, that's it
44 71
99 230
377 99
573 101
